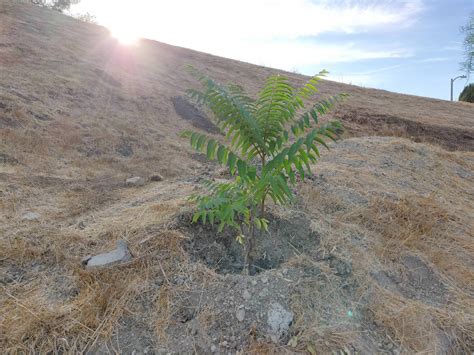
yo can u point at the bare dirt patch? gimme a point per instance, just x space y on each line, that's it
286 238
452 138
191 113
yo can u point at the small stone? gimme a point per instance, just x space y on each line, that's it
213 348
178 280
81 225
119 255
224 343
254 282
240 314
31 216
284 271
264 279
279 320
232 338
246 295
156 177
135 181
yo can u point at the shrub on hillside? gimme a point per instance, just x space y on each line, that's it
467 94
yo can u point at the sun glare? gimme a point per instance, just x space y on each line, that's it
123 34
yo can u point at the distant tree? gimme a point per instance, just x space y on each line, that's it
468 64
57 5
87 17
467 95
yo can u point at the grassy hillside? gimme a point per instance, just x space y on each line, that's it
376 256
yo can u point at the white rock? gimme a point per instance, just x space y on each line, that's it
240 315
119 255
264 292
246 295
213 348
135 181
264 279
31 216
278 321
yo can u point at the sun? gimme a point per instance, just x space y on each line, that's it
124 34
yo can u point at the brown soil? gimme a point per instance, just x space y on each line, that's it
286 238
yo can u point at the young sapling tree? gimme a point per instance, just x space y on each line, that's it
268 142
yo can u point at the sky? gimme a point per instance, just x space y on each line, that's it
405 46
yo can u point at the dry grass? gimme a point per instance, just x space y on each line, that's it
74 100
418 327
34 322
85 311
421 225
376 220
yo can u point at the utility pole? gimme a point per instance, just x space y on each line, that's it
452 82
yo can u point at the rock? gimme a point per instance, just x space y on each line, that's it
246 295
81 225
31 216
156 177
240 315
213 348
264 279
119 255
263 292
278 320
125 150
135 181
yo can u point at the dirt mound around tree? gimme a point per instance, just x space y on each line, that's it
286 238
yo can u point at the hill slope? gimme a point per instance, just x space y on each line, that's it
80 95
375 256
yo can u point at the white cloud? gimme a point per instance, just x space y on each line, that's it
365 78
356 79
264 19
434 60
259 31
288 55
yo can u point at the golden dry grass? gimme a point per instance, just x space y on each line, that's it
373 201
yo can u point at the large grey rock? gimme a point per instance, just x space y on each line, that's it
31 216
135 181
119 255
278 320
